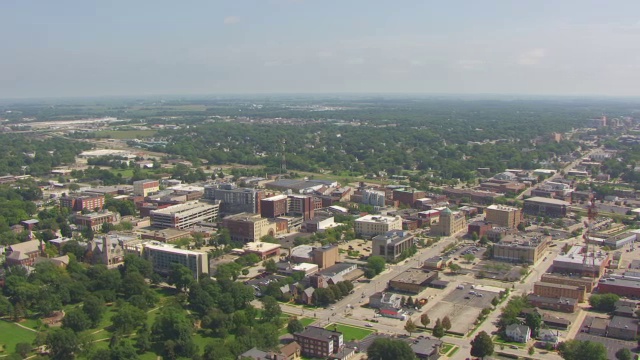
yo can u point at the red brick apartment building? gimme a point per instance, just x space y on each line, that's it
79 202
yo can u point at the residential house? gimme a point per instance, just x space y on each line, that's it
519 333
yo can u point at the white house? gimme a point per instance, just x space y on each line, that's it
549 336
519 333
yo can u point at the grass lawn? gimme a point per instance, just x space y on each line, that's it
499 341
11 334
350 332
125 173
446 348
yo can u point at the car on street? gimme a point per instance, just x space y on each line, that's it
368 325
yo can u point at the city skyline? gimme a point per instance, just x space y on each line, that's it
78 49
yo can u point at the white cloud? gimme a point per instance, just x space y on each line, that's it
355 61
532 57
469 64
230 20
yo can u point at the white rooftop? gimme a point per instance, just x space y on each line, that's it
260 246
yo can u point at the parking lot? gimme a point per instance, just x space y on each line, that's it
462 307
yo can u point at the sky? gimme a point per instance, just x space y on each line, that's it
74 48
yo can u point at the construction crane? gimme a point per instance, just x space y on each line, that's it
592 213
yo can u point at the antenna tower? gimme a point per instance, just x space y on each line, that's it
283 164
592 213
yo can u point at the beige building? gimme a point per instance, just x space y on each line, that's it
145 187
182 216
325 256
248 227
521 247
372 225
559 290
450 223
503 216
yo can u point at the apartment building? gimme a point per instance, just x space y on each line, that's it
450 223
503 216
248 227
79 202
373 197
391 244
301 205
317 342
234 200
182 216
372 225
162 256
145 187
24 253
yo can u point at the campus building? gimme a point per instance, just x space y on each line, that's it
79 202
545 207
182 216
162 256
450 223
372 225
96 219
145 187
503 216
521 248
317 342
234 200
559 291
248 227
392 244
413 280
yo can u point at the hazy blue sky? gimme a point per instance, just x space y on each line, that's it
137 47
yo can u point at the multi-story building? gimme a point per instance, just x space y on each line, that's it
521 247
559 291
503 216
184 215
586 282
96 219
24 253
79 202
372 225
234 200
408 196
145 187
413 280
317 342
480 228
373 197
274 206
392 244
301 205
248 227
578 262
480 197
450 223
563 304
546 207
162 256
325 256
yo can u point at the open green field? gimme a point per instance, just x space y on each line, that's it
11 334
125 134
350 332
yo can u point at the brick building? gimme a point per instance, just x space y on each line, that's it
274 206
450 223
79 202
503 216
317 342
545 207
480 228
248 227
408 196
96 219
559 291
521 247
145 187
372 225
392 244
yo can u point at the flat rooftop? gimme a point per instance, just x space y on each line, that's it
259 246
172 249
413 276
539 199
377 219
181 209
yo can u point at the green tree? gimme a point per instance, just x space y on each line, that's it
603 302
424 320
390 349
469 257
270 266
127 318
271 310
534 321
180 276
582 350
87 233
23 349
482 345
446 323
624 354
410 327
438 329
172 324
76 320
93 307
531 350
454 268
376 263
143 338
495 301
294 326
63 344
